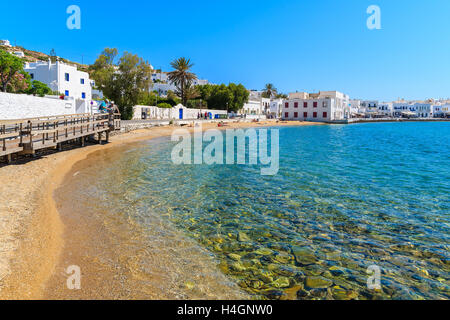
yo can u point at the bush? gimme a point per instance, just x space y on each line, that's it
147 99
164 105
38 88
197 104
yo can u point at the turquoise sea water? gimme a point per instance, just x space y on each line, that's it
345 198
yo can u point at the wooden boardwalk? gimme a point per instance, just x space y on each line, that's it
26 136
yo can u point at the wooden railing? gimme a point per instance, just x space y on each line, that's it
25 136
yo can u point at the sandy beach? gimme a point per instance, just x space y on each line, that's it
32 233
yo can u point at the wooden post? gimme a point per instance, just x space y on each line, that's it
100 138
107 136
31 135
59 146
8 158
20 133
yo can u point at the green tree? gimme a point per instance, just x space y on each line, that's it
122 81
222 97
10 67
39 88
269 91
240 97
191 92
147 99
172 98
182 77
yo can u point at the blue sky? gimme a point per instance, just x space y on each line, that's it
297 45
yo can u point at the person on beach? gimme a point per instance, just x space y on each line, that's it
103 107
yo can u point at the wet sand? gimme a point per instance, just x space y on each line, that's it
34 233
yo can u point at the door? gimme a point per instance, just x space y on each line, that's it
181 114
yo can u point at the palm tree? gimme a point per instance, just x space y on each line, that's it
270 90
181 76
191 91
281 96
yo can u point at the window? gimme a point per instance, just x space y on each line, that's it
305 114
295 114
325 115
82 81
314 114
286 114
325 104
315 104
83 95
32 76
295 104
66 76
286 104
305 104
66 93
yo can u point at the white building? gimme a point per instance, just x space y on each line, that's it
446 110
276 107
255 94
252 107
162 85
401 108
160 77
5 43
386 109
322 106
438 111
19 54
355 108
423 110
63 78
163 89
265 105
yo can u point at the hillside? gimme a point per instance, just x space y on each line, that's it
33 56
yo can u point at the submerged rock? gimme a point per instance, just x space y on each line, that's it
317 282
304 256
234 256
336 271
281 282
237 266
243 237
343 294
264 251
283 257
291 293
265 276
273 294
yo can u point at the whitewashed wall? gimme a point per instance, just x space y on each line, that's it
21 106
155 113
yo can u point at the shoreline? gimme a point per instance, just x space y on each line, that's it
35 241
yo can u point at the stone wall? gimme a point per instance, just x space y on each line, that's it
21 106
